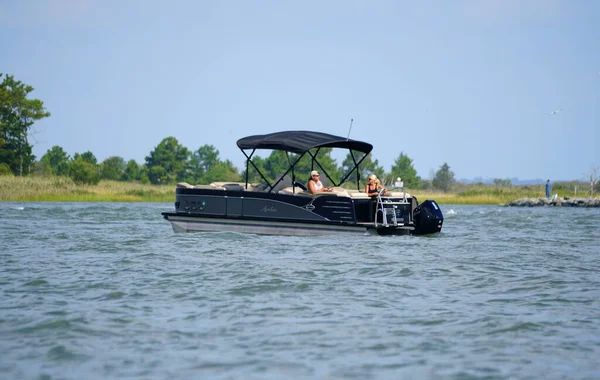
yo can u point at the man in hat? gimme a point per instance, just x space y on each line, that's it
315 185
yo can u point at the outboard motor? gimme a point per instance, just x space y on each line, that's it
428 218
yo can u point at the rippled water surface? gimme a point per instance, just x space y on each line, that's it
96 291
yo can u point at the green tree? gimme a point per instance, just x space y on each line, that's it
271 167
327 165
253 176
17 116
5 170
168 162
444 178
87 157
113 168
201 161
56 161
83 172
367 166
135 172
403 168
276 164
159 175
222 172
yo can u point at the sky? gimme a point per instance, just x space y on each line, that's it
493 88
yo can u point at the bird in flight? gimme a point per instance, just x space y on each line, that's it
555 112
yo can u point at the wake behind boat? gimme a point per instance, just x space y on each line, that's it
285 206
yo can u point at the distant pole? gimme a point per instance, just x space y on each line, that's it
350 129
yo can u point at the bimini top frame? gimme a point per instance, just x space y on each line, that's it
301 143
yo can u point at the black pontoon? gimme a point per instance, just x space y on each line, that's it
284 206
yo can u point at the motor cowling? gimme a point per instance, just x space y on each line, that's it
428 218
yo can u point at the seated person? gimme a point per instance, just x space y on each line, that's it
373 186
315 185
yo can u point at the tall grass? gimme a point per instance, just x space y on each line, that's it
63 189
495 194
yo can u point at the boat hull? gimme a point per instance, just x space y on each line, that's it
187 223
235 210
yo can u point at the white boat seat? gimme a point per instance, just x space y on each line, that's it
358 194
290 190
186 185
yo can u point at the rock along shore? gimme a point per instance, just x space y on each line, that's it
560 202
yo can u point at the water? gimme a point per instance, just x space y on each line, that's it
96 291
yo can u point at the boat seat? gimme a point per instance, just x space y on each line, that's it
358 194
186 185
337 192
281 183
290 190
209 187
340 191
231 185
397 194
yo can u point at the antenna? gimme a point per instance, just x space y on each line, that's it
350 129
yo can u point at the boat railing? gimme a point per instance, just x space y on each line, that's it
384 212
387 205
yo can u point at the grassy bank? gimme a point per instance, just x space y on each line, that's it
63 189
495 194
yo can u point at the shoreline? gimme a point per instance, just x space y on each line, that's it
62 189
555 202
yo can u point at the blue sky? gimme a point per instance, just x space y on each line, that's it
497 89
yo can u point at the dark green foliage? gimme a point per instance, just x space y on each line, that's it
276 164
327 166
222 171
87 157
5 169
17 116
135 172
403 168
444 178
113 168
201 162
368 166
253 176
168 162
279 162
56 161
83 172
158 175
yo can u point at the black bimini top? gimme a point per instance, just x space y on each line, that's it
301 141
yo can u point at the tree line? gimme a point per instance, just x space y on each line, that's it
171 162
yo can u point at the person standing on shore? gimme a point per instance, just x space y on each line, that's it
548 189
